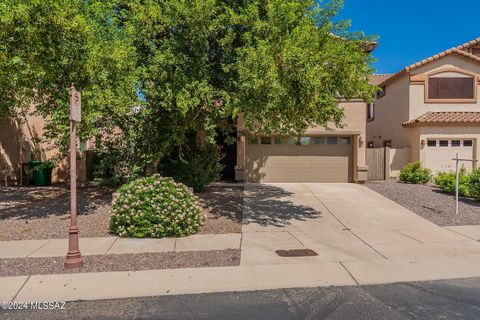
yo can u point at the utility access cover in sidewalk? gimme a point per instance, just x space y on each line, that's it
296 253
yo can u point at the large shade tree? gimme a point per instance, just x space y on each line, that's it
48 45
195 64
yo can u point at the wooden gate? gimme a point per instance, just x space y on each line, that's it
375 158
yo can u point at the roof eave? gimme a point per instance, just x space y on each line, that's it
459 50
439 123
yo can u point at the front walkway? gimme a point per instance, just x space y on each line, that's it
115 245
360 237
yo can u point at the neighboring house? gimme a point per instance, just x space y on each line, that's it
23 141
20 141
429 111
318 156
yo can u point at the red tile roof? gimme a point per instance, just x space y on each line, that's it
435 118
440 55
455 50
376 79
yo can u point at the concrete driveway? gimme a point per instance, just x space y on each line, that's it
346 223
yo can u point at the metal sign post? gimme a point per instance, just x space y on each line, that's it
457 174
74 258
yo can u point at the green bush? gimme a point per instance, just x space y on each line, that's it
155 207
474 184
113 165
446 182
196 167
415 173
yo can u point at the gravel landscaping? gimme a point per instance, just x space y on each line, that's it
429 202
122 262
43 212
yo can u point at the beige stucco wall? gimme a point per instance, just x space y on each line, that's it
413 135
405 101
418 106
22 141
354 124
399 158
390 112
453 60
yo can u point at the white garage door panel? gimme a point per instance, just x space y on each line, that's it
280 163
439 159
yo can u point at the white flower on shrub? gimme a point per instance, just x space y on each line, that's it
155 207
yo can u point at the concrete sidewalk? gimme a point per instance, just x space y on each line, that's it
115 245
112 285
360 236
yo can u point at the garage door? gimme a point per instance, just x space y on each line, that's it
308 159
440 152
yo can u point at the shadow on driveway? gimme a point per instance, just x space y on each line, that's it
266 205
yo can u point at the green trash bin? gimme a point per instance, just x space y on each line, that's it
41 173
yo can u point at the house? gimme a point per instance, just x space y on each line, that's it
22 140
333 155
429 111
320 155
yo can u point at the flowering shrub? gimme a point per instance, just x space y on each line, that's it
155 207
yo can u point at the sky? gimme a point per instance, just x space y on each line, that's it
409 30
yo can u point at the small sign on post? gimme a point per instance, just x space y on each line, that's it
75 105
74 258
457 175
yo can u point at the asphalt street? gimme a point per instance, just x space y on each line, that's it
448 299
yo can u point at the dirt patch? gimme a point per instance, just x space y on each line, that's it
430 202
44 213
122 262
